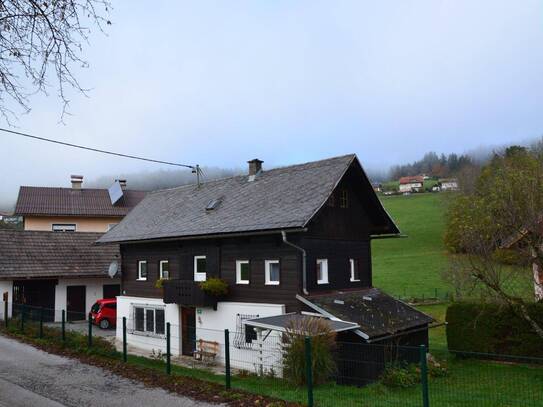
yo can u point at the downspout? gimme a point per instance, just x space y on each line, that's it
304 261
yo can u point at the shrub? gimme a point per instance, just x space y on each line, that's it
322 346
215 287
401 375
493 328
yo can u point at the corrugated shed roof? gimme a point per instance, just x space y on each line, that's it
73 202
377 313
280 198
25 253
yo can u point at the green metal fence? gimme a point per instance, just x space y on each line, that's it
364 375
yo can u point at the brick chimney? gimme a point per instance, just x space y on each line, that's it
255 166
77 181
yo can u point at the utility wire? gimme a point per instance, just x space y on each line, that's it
194 168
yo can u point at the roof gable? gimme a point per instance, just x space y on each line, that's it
281 198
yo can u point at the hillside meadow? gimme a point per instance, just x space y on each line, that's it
413 265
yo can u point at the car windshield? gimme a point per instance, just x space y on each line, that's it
95 308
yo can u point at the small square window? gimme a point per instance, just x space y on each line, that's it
165 269
200 268
272 272
344 199
322 271
142 270
355 276
242 272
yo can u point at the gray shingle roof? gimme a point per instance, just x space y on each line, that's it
25 253
377 313
280 198
70 202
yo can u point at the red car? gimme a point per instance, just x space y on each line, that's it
104 313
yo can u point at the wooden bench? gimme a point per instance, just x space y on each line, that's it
206 350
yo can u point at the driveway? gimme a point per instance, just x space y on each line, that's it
30 377
83 328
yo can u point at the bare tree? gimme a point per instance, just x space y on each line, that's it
41 43
503 211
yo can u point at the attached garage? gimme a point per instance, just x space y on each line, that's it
52 271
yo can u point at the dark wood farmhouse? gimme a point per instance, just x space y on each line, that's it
291 239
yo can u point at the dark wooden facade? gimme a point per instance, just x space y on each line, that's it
339 231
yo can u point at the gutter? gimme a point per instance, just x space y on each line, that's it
304 261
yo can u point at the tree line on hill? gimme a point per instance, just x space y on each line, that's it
433 165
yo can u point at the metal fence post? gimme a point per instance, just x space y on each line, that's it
125 356
168 364
227 358
6 312
63 329
90 331
41 323
308 371
424 376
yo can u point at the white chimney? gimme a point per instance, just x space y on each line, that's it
77 181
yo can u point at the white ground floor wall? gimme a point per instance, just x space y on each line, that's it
94 291
6 286
260 355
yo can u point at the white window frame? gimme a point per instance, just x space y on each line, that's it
140 278
352 262
267 272
324 271
61 227
145 332
161 271
238 272
198 276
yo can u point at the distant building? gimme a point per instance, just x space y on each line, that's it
449 184
377 187
411 184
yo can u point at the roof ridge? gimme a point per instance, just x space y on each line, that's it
245 175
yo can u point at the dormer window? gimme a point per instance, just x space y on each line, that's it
344 199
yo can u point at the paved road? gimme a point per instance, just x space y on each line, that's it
32 378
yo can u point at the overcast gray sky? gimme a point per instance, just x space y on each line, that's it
220 82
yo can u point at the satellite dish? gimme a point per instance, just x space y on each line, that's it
113 269
115 192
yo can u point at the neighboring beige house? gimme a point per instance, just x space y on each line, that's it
41 267
74 209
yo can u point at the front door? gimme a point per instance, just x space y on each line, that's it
112 290
75 302
188 331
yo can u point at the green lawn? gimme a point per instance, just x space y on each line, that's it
413 266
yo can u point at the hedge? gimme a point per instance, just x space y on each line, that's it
491 328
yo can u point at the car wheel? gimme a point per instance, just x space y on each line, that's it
104 324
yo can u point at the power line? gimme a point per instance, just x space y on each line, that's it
194 168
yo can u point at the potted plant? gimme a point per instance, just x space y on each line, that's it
215 288
160 283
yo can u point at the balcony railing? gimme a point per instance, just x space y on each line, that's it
188 293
